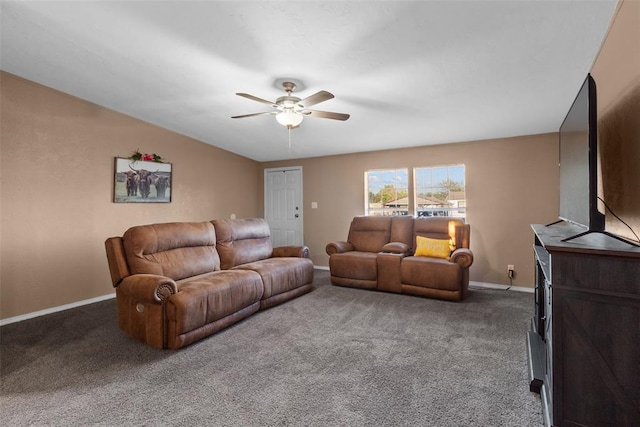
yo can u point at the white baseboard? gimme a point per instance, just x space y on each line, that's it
473 284
501 287
73 305
109 296
55 309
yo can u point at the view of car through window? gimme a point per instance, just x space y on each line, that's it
434 191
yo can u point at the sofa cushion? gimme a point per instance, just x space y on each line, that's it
435 227
436 273
240 241
369 233
354 265
210 297
282 274
175 250
402 230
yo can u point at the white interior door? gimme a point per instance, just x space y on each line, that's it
283 205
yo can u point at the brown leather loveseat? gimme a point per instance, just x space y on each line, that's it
427 256
179 282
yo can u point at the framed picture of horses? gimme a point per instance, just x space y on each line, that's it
138 181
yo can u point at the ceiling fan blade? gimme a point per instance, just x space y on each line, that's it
255 114
316 98
326 115
255 98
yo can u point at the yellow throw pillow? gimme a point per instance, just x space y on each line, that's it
432 247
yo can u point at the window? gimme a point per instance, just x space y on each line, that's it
387 192
440 191
436 191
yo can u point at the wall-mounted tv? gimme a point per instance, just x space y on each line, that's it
579 162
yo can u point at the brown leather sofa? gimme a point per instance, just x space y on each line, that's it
179 282
379 253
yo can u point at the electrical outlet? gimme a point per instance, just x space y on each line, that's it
511 271
510 267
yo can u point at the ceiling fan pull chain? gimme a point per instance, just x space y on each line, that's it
289 128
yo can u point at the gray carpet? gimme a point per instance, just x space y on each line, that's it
334 357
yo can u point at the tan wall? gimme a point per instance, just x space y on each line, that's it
57 161
56 173
617 75
511 183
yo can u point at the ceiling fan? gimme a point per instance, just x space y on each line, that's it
291 110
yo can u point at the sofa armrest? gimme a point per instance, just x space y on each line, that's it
396 248
339 247
462 256
291 251
117 260
148 288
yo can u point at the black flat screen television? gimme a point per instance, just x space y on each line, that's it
579 162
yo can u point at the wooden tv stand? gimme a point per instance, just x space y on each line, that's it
584 342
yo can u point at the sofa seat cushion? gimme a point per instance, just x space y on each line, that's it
281 274
210 297
429 272
354 265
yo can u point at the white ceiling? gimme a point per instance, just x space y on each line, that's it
410 73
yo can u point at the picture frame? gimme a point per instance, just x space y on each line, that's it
138 181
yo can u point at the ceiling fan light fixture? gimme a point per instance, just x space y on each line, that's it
291 110
289 118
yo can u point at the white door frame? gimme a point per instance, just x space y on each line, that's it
286 168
